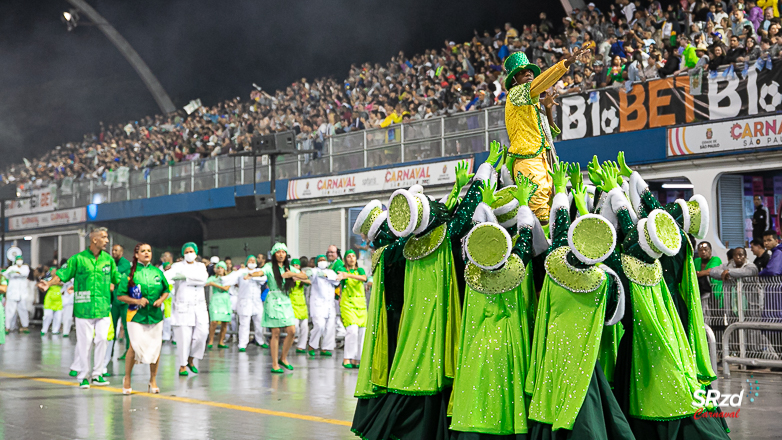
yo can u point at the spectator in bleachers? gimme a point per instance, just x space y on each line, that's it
704 264
761 254
774 266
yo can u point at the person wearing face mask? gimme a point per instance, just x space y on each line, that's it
144 290
17 293
322 310
190 316
93 271
249 308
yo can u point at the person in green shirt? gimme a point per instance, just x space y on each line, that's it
144 290
219 305
703 265
3 288
93 272
353 309
52 306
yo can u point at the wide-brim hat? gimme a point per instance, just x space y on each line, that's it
591 238
514 64
659 235
488 245
425 215
405 212
370 219
505 206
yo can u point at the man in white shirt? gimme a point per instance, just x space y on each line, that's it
16 295
628 9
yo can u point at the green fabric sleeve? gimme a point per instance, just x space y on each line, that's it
523 246
555 131
648 203
461 222
561 226
66 273
625 221
115 275
361 271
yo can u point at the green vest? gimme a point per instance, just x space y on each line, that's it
92 278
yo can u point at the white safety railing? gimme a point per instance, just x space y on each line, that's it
464 133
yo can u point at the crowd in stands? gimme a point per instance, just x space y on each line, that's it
630 42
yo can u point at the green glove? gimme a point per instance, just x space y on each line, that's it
525 188
462 177
579 197
624 170
487 192
574 171
593 170
559 176
496 151
609 175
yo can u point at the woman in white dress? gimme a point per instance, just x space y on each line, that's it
190 317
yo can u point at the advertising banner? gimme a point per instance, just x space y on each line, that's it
719 137
37 200
436 173
670 101
44 220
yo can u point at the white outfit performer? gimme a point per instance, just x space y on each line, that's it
16 295
51 318
67 308
190 317
323 313
249 307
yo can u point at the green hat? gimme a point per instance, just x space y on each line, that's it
515 63
350 251
19 257
222 264
370 219
591 238
658 234
189 244
319 257
248 258
279 247
295 261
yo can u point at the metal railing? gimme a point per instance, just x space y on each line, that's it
463 133
745 315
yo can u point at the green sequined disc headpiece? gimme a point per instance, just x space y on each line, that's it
693 215
592 238
662 233
370 219
488 245
404 212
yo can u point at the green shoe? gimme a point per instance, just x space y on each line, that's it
99 381
312 353
183 373
64 336
242 350
347 366
173 342
43 333
122 358
278 371
106 374
300 351
325 353
85 384
209 346
26 331
288 366
193 368
73 373
223 346
264 345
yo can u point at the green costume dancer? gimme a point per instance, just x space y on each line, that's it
499 306
408 388
656 371
570 397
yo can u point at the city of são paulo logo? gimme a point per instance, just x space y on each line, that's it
714 404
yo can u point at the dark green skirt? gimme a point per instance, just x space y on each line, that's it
455 435
680 429
397 416
600 417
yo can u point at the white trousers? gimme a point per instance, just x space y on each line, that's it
340 326
67 318
323 334
12 308
302 333
110 346
166 329
244 329
354 342
53 318
191 341
89 331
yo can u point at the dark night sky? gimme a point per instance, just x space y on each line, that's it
55 86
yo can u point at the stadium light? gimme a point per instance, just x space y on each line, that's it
678 185
71 19
67 15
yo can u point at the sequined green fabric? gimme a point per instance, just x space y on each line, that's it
520 95
642 273
373 215
592 238
494 282
376 257
667 231
508 216
420 247
503 196
695 217
649 240
487 244
420 213
569 277
399 213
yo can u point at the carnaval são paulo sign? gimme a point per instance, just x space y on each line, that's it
668 101
718 137
387 179
54 218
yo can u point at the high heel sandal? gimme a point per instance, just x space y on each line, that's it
151 390
126 391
